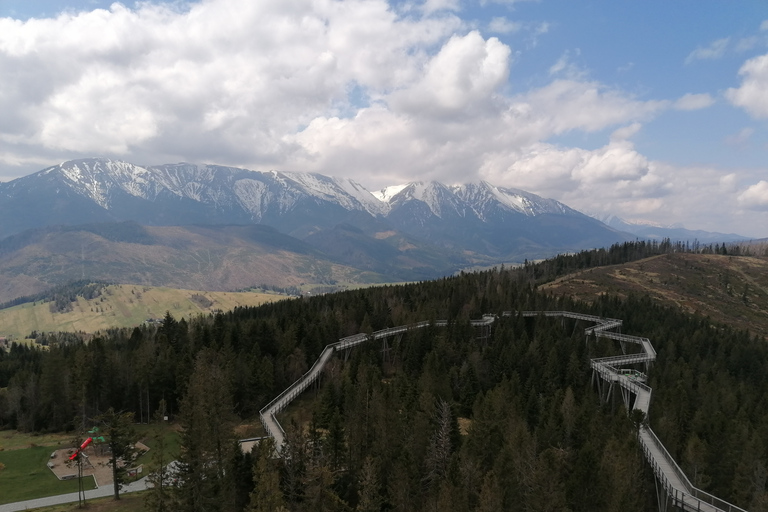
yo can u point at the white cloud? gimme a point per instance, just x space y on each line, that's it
347 88
502 25
747 43
267 85
755 197
694 102
752 94
714 51
566 105
626 132
463 77
505 2
565 66
740 139
764 25
729 182
432 6
225 80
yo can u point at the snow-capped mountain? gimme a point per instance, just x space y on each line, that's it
105 181
476 218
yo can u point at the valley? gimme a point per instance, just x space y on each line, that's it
520 390
210 258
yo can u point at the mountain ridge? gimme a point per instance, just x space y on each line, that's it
478 221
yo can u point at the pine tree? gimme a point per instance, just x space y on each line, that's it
267 495
118 429
207 438
158 498
370 499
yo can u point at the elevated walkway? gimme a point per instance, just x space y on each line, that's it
674 488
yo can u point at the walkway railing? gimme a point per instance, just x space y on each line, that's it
678 489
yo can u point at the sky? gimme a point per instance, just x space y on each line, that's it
655 111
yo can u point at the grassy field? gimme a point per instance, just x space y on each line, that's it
170 436
13 440
122 306
25 476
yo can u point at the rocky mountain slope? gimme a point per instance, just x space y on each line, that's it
191 257
478 221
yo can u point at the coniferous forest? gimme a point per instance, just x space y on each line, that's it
446 419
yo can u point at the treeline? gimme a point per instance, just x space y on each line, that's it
62 296
444 419
627 252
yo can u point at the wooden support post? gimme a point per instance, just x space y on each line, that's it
385 349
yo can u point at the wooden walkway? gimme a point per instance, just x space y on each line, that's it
675 488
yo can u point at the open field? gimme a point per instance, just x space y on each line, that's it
731 290
13 440
122 306
26 476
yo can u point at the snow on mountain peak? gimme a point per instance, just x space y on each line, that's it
99 178
342 191
386 194
257 193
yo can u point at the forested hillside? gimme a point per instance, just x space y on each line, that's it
729 289
445 420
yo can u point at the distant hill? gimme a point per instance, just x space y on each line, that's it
654 232
729 289
190 257
121 306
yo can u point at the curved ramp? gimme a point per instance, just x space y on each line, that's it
674 487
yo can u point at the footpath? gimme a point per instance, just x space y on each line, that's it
102 492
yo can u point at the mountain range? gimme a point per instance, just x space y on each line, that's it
476 219
648 231
418 230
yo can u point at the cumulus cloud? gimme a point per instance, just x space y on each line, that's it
616 162
350 88
626 132
694 102
223 78
567 104
714 51
461 79
755 197
752 94
564 170
268 85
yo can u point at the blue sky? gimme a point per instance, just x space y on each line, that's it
653 111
